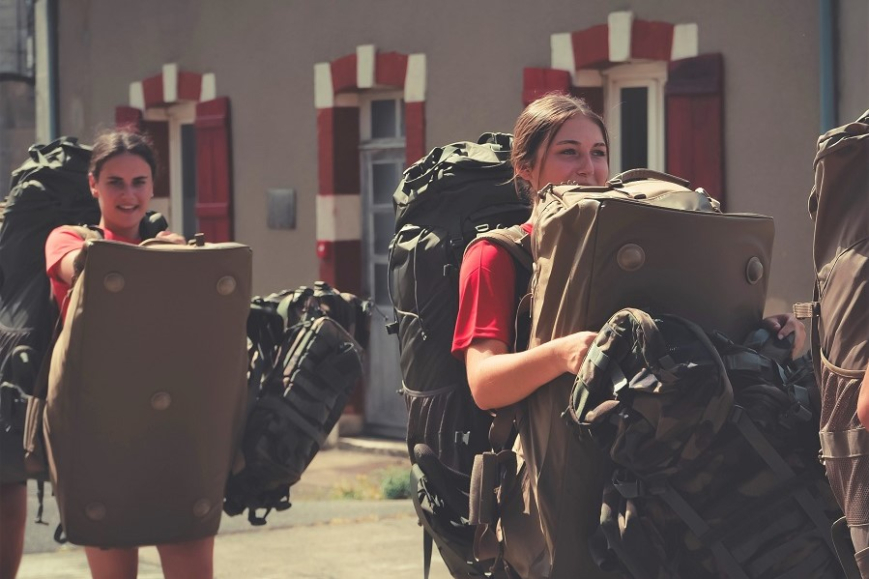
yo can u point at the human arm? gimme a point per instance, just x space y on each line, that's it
863 401
64 247
785 325
499 378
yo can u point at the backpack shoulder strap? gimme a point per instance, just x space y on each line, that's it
514 239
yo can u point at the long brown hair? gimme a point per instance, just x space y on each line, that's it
536 127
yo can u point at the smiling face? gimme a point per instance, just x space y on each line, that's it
123 188
577 153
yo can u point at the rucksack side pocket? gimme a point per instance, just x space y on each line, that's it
35 462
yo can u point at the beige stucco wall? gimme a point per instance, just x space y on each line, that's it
263 54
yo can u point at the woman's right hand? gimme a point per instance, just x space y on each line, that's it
573 348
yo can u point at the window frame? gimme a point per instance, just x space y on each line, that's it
653 77
373 151
175 115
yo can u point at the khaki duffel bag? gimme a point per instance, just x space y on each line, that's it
147 392
647 241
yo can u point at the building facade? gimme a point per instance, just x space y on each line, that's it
286 125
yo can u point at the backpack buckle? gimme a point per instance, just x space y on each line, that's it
462 438
807 310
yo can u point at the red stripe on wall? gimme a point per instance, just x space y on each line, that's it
414 122
591 47
342 268
344 73
153 89
391 69
536 82
325 156
189 86
651 40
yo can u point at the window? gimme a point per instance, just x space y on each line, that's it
634 96
382 155
174 135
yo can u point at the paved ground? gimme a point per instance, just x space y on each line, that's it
322 536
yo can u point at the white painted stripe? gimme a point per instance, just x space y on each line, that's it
588 77
365 62
562 52
620 35
414 79
324 94
685 41
209 87
339 217
170 83
137 95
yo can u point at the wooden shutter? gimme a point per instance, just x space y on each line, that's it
695 113
537 82
128 117
214 170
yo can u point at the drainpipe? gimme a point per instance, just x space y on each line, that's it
45 16
828 14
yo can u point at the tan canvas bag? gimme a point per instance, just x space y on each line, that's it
839 207
646 240
147 392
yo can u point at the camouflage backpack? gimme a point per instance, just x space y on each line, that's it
713 452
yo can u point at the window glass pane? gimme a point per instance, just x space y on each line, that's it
634 127
188 178
383 119
401 118
384 180
381 281
384 227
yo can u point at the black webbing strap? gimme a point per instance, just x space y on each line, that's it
784 472
426 553
702 530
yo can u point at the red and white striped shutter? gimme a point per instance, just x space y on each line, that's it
695 114
214 169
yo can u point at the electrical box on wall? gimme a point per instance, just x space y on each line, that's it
281 207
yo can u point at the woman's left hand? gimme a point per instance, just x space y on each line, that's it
785 325
171 237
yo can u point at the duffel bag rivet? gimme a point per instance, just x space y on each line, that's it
226 285
631 257
95 511
161 401
754 270
114 282
201 508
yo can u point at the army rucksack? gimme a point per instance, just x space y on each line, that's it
303 366
839 207
445 200
712 454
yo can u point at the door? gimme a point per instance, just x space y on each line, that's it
382 156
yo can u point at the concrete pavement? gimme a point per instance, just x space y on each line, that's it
320 537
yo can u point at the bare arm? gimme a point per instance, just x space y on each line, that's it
863 401
498 378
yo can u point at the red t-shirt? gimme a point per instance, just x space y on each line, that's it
60 242
487 296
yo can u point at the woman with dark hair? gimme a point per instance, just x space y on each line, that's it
557 139
121 178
